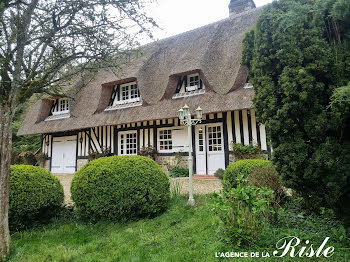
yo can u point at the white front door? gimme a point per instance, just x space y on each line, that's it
210 154
64 155
215 148
201 161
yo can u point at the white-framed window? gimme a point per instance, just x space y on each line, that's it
125 93
191 87
165 140
214 138
128 143
60 106
193 82
129 93
200 140
134 92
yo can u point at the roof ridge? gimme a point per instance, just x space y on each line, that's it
159 41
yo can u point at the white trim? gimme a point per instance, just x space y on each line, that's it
191 93
57 117
263 137
245 127
253 119
229 128
248 86
237 128
123 105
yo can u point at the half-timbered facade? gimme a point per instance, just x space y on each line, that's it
136 106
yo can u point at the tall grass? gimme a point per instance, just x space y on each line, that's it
175 188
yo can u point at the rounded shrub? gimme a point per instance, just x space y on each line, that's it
268 177
120 188
35 196
242 167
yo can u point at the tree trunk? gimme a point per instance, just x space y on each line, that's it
6 115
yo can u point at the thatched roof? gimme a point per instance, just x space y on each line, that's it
213 50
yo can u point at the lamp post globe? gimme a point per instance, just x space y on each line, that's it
181 114
199 113
186 110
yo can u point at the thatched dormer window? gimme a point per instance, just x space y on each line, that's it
59 109
124 96
189 85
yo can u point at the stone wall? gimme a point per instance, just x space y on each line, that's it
80 163
170 161
47 164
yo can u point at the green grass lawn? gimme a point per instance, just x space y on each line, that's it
181 234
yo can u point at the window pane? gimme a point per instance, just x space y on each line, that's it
165 140
214 138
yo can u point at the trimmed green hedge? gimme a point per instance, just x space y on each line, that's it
179 172
242 167
120 188
35 196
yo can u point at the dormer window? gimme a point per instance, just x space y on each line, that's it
59 109
60 106
64 106
189 85
124 96
194 83
130 92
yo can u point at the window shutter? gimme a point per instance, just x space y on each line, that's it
200 84
118 92
185 81
111 100
179 139
179 84
54 103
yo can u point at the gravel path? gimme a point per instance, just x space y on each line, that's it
200 186
66 179
180 184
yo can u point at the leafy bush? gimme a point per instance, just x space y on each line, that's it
293 214
241 151
149 151
105 151
120 188
41 157
268 177
35 196
178 161
179 172
244 168
29 158
243 211
219 173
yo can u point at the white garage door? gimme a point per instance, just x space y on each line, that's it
64 155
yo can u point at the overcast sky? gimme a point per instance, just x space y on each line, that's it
177 16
